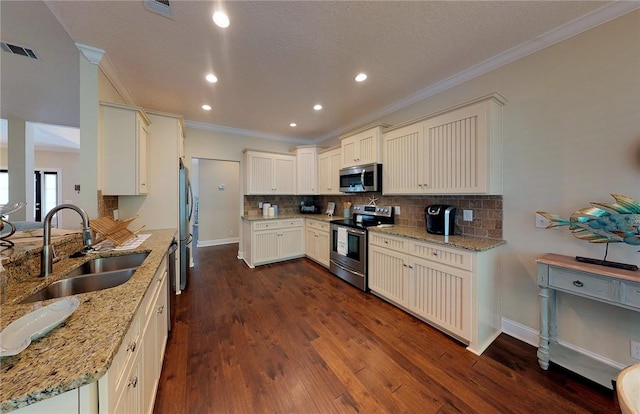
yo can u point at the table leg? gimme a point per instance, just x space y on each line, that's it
543 347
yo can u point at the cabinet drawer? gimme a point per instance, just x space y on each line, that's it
581 283
265 225
318 225
292 223
631 294
436 253
389 242
124 357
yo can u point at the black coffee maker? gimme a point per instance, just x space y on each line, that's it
440 219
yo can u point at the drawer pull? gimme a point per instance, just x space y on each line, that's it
131 347
435 253
578 283
133 382
161 309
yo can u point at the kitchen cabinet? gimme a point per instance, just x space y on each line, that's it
329 164
78 401
307 170
317 242
268 241
458 151
130 384
269 173
454 290
125 149
362 148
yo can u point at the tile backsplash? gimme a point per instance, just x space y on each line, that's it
487 210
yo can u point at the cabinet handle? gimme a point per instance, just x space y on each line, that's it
132 347
386 242
133 382
410 267
404 264
161 309
577 283
435 253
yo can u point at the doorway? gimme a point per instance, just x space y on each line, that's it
216 201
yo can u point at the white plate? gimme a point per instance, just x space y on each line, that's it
17 336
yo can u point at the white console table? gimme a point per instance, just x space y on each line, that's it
616 287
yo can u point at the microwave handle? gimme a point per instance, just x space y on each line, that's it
362 177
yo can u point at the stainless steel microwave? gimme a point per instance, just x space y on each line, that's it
361 179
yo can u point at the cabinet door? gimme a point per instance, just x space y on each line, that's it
310 243
129 401
442 295
149 369
323 246
454 154
259 173
291 242
349 152
336 165
284 174
307 176
387 274
143 156
324 173
265 246
367 146
400 172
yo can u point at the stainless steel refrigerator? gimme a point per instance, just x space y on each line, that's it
185 210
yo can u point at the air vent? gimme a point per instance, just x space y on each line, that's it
18 50
161 7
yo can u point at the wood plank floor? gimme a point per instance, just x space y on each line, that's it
292 338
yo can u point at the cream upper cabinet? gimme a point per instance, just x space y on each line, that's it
124 149
329 164
455 152
269 173
307 170
362 148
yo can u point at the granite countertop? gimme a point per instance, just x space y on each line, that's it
478 244
80 350
319 217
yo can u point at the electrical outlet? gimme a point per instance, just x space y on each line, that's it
115 214
396 210
260 204
541 221
467 215
635 349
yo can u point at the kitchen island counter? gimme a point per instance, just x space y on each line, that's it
80 350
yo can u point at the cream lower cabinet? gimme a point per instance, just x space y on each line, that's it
130 384
81 401
271 241
455 290
317 243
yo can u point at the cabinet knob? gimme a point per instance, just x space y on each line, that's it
132 346
577 283
160 309
133 382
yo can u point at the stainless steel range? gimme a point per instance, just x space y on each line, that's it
349 242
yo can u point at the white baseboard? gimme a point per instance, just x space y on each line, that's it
217 242
531 337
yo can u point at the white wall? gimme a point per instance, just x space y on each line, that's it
218 207
571 136
69 165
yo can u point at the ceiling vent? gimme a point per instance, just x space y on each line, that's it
18 50
161 7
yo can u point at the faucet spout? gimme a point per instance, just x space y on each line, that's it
47 256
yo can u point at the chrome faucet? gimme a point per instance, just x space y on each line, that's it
48 255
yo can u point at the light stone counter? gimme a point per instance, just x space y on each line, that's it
319 217
477 244
80 350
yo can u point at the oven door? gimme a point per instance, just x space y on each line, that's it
354 254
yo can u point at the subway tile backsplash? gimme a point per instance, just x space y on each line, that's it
487 210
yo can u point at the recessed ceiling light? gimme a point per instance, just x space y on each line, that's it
211 78
221 19
361 77
293 125
317 107
206 107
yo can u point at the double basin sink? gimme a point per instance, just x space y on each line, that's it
96 274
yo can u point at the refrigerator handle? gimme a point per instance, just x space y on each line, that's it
190 199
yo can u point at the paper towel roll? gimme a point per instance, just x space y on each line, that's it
265 209
272 211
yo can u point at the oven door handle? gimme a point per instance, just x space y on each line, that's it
356 232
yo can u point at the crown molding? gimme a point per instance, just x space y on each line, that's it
112 74
243 132
597 17
93 54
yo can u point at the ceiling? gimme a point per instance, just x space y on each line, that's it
277 59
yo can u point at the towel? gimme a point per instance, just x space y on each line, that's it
342 241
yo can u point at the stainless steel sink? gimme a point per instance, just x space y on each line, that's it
82 284
96 274
108 264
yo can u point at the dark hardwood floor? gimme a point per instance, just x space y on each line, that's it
292 338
